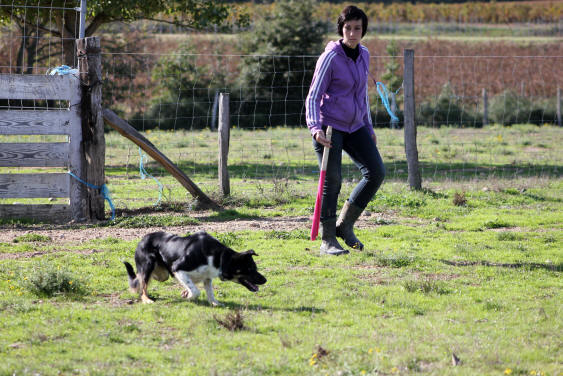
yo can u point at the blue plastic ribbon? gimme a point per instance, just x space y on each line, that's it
103 190
384 94
62 70
144 174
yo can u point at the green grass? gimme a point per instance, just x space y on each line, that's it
482 281
287 178
478 276
395 308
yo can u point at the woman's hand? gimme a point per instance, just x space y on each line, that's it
374 138
321 139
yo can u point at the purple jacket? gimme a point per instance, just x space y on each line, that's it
338 94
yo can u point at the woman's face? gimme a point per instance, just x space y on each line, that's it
352 33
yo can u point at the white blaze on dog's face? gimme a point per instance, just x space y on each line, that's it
242 269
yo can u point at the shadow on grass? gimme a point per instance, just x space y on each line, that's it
227 215
237 306
437 171
517 265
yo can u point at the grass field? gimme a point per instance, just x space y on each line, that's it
469 266
277 165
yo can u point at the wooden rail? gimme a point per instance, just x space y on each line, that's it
127 131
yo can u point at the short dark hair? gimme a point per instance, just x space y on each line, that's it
350 13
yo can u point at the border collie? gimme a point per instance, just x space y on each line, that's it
190 259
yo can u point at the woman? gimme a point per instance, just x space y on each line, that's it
338 97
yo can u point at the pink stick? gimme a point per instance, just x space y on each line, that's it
319 201
318 204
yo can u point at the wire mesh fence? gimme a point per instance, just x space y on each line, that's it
167 86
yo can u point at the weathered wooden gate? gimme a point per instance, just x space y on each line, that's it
17 155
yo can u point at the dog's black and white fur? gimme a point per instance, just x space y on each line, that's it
190 259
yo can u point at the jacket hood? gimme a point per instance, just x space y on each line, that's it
336 47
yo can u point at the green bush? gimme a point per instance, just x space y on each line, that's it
32 238
447 109
426 286
49 280
509 108
275 74
185 93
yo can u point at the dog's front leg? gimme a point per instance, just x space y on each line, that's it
191 292
209 291
144 296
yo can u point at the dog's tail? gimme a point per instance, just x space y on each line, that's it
133 280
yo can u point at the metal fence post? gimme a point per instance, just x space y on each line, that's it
82 28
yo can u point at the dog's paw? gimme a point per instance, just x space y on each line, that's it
216 304
147 300
187 294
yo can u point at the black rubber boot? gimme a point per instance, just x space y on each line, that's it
330 245
345 225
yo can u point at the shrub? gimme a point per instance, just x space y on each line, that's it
230 239
184 93
496 223
459 199
446 109
32 238
426 286
49 280
508 236
394 260
231 321
510 108
274 75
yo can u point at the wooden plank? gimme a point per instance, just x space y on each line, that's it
29 86
14 122
42 212
34 185
132 134
54 154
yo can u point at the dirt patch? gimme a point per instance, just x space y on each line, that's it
71 235
12 256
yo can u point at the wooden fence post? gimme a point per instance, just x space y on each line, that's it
410 124
224 124
93 139
485 108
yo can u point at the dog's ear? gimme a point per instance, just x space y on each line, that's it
250 252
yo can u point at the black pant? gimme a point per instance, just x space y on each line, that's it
362 149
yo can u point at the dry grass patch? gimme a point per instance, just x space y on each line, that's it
232 321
